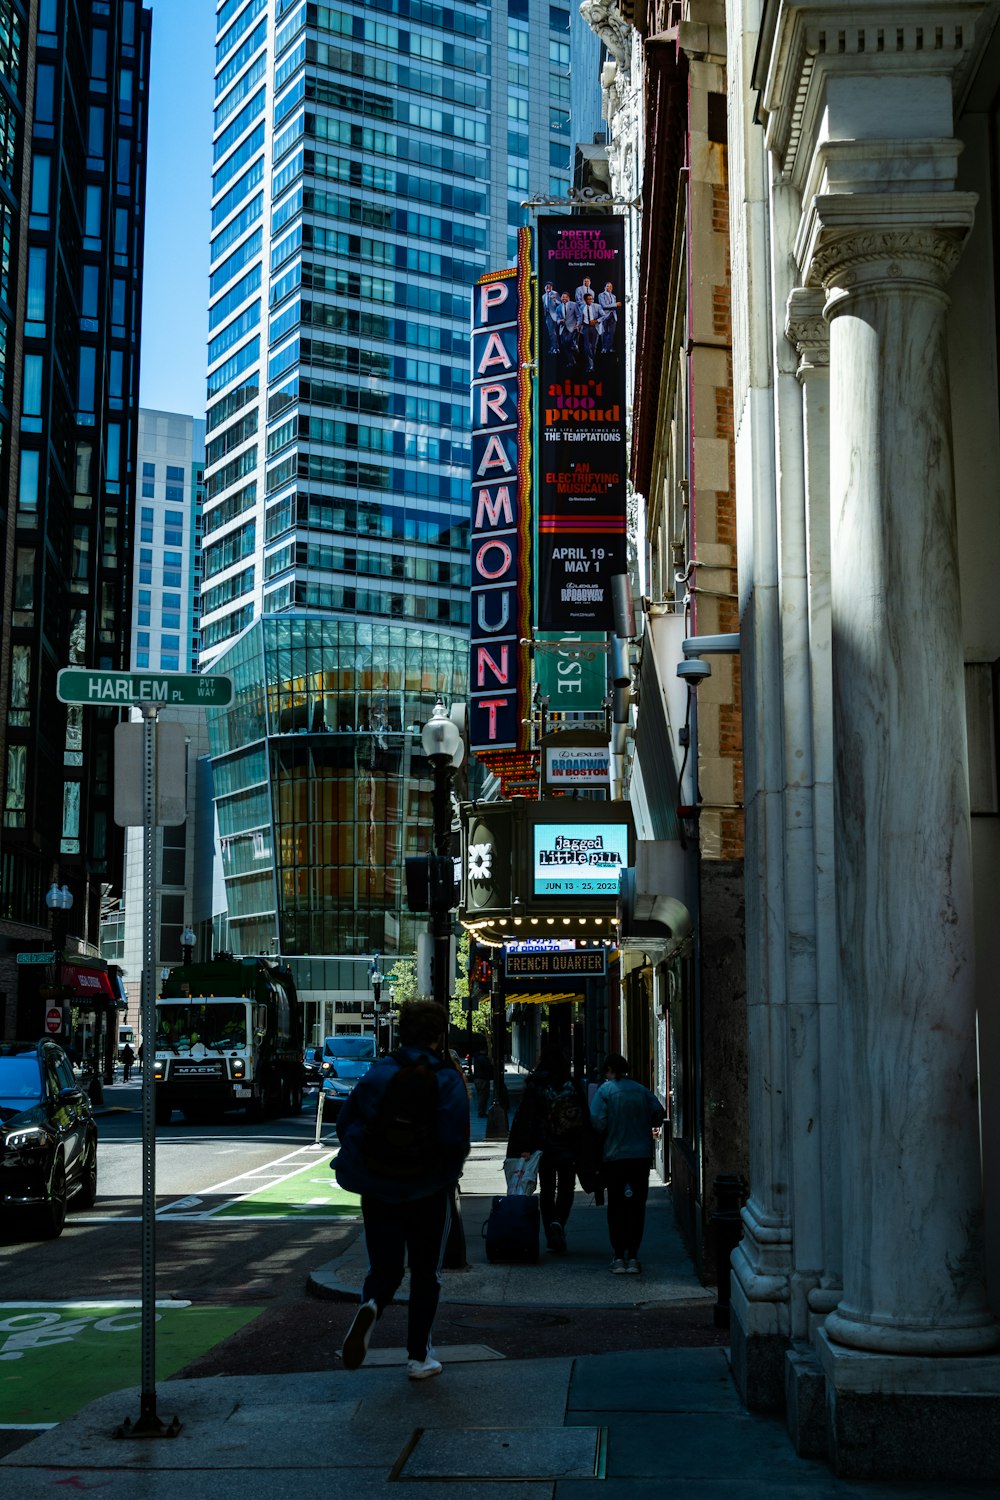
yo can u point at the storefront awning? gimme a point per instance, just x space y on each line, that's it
87 984
550 997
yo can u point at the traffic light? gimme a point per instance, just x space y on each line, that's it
480 980
418 883
430 882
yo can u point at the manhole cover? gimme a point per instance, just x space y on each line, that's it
464 1454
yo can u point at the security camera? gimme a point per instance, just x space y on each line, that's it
693 671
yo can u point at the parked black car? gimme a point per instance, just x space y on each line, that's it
312 1060
48 1138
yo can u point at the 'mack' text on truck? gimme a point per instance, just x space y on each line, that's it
228 1036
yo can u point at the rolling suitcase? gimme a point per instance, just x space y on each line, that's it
511 1231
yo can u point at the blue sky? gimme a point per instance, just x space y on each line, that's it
178 173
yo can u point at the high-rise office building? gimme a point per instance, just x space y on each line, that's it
370 162
167 556
73 97
166 594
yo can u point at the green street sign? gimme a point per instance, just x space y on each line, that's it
123 689
36 958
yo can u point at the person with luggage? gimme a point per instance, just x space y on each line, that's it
626 1113
551 1118
404 1134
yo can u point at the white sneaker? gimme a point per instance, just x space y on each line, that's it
358 1336
618 1266
422 1369
633 1267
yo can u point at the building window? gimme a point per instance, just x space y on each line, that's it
34 366
17 778
90 282
41 169
27 493
85 385
70 843
45 93
92 216
37 269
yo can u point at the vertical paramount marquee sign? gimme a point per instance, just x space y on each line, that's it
581 493
499 670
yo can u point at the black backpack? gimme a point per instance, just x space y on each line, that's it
399 1142
564 1117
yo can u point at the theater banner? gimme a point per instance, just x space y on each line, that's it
499 667
581 448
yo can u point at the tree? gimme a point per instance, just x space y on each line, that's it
459 1015
404 980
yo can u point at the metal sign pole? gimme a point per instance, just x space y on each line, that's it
148 1424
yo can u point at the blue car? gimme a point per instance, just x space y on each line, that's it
345 1060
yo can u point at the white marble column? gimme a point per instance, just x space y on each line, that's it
911 1189
814 1026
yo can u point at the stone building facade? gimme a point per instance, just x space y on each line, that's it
861 152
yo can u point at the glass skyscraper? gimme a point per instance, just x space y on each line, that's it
370 162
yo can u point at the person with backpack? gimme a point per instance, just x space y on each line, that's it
551 1118
404 1135
626 1113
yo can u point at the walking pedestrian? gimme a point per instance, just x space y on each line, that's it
551 1118
626 1113
482 1074
404 1133
128 1058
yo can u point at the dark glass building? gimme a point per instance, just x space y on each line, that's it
73 120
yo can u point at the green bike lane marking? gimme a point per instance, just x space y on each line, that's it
311 1192
56 1357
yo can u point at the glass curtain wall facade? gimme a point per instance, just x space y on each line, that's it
72 184
167 562
321 786
369 164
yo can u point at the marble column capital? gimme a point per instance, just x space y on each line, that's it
806 328
865 242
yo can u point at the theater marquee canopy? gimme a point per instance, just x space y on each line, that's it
506 844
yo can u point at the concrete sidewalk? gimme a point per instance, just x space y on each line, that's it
613 1426
639 1426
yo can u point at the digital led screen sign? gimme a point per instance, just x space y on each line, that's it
578 859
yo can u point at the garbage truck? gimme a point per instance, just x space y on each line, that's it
228 1037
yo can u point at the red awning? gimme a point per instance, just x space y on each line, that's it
89 984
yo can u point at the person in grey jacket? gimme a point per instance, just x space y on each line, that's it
625 1113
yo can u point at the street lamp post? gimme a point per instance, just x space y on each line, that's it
188 940
59 900
377 980
444 749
